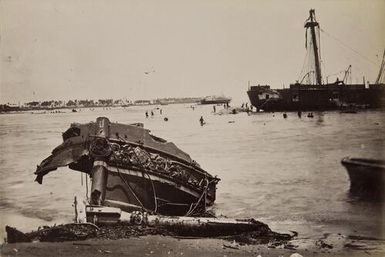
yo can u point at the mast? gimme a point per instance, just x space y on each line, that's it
348 73
312 24
380 76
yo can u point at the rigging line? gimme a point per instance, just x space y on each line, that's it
337 73
319 42
323 68
381 73
345 45
306 39
189 210
87 187
129 187
200 198
154 192
144 171
303 65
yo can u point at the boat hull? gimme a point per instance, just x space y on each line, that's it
367 176
132 190
132 169
317 97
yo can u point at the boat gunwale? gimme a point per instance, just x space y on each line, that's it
181 161
373 163
173 182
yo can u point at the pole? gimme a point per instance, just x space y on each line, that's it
99 171
312 24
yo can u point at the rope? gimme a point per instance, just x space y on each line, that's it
303 65
144 171
154 193
345 45
87 188
129 187
200 198
380 77
100 147
319 43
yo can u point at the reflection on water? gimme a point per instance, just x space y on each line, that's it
285 172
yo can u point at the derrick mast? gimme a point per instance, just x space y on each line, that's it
311 24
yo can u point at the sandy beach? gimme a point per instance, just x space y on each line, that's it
169 246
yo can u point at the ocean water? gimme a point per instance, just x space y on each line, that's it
285 172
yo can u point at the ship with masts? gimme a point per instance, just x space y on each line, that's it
311 93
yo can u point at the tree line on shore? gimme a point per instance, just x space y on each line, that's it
57 104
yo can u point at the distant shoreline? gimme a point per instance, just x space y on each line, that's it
49 109
81 104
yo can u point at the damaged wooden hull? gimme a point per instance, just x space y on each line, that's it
129 189
132 169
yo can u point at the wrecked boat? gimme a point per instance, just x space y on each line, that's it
132 170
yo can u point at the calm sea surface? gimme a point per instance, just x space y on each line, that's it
285 172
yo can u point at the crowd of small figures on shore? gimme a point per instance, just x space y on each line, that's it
135 157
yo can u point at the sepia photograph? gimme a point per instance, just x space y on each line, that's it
210 128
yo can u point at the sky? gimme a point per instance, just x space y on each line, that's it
147 49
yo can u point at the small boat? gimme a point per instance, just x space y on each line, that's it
132 170
367 176
215 100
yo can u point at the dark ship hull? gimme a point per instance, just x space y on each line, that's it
367 176
301 97
314 95
133 170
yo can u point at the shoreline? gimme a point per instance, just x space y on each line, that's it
26 110
40 108
156 245
139 240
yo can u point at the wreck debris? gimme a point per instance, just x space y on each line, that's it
132 169
197 226
140 224
136 176
67 232
15 236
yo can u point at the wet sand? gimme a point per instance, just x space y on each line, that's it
168 246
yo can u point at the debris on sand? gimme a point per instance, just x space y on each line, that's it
261 233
